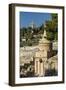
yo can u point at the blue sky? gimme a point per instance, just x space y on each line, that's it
38 18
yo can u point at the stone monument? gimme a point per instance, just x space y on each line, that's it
41 56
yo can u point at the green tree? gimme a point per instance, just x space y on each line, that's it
52 27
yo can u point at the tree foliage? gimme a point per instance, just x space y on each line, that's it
52 27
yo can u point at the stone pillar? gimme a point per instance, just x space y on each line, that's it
41 69
35 66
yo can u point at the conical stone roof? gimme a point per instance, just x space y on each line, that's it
44 39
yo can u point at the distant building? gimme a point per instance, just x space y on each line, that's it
32 25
